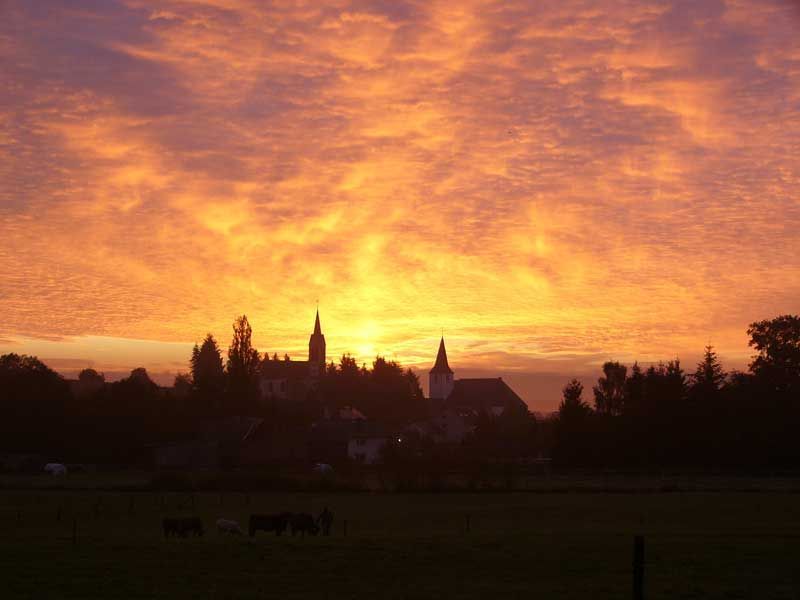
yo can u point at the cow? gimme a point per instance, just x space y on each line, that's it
182 526
55 469
276 523
228 526
302 523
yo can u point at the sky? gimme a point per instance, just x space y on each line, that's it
550 184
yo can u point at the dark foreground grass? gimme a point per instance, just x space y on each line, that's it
720 545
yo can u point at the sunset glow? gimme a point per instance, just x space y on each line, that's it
551 184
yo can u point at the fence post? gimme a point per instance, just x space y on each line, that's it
345 527
74 532
130 505
467 523
638 567
58 513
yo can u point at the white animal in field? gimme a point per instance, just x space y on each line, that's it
55 469
323 468
228 526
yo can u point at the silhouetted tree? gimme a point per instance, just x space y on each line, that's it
709 376
33 399
207 377
572 404
609 393
243 366
573 428
182 386
777 342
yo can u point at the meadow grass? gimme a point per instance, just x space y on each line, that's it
546 545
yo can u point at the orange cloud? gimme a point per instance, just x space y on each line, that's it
553 184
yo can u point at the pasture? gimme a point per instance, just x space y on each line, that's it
81 544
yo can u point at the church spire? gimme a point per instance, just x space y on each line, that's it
441 365
316 349
317 328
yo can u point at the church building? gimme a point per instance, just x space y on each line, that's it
293 380
490 395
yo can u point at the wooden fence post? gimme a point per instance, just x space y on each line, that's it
467 523
638 567
345 528
58 513
74 532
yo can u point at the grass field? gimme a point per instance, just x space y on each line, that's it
532 545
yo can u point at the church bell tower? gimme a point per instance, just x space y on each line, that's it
440 378
316 350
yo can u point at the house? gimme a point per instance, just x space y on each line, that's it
366 444
448 426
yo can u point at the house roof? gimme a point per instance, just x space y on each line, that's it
441 365
482 394
284 369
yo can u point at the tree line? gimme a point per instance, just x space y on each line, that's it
640 417
663 416
95 420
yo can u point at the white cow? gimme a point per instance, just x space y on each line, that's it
55 469
323 469
228 526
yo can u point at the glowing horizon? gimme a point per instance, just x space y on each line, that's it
553 185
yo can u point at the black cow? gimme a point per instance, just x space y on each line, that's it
182 526
276 523
303 523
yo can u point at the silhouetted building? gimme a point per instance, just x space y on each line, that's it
293 380
440 377
490 395
366 443
316 350
447 426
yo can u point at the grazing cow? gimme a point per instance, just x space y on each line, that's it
182 527
276 523
302 523
228 526
55 469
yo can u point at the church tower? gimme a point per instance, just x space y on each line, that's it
316 350
440 378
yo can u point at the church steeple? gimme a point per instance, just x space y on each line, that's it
441 365
317 328
316 350
440 377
